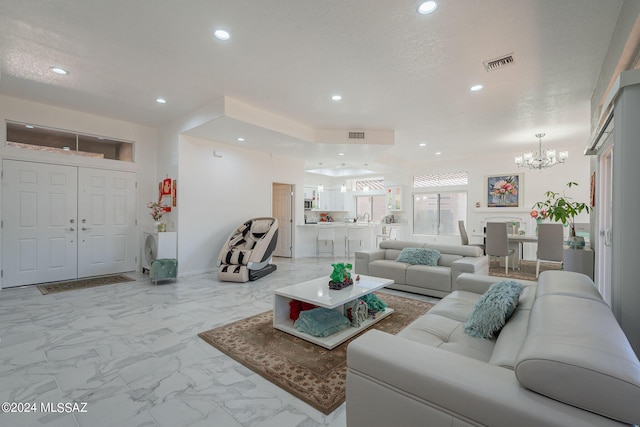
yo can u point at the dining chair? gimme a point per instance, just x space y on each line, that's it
549 244
464 238
498 243
325 235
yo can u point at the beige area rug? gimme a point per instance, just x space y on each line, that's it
70 285
527 269
309 372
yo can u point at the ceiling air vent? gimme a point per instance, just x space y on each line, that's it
501 62
356 135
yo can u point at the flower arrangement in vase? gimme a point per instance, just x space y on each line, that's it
157 212
539 216
564 209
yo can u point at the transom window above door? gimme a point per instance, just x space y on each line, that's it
33 137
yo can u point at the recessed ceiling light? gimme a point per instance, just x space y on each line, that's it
427 7
336 97
161 100
340 154
221 35
438 153
476 88
59 70
240 139
423 144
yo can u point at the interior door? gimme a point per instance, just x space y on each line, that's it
39 223
282 207
106 222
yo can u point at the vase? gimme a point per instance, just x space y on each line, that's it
575 242
162 227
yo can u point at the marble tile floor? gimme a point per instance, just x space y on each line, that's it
130 351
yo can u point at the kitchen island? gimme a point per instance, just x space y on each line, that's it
307 234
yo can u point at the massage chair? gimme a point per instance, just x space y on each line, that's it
246 255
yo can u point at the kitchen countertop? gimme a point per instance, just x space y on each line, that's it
348 224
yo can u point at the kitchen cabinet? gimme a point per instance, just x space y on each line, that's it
337 200
311 193
331 200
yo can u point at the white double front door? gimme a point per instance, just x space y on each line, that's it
66 222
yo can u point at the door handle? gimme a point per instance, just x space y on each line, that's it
72 229
86 228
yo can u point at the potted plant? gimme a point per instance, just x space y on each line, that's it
564 209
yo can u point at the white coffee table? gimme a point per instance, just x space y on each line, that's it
317 292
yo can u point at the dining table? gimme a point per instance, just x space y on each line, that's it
517 241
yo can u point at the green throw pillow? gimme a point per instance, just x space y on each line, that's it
424 256
493 309
321 322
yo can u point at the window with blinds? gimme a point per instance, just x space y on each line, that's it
441 179
370 184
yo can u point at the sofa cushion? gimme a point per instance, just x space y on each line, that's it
448 334
446 260
392 254
422 256
576 353
554 282
457 305
514 332
425 276
399 244
388 269
462 250
491 311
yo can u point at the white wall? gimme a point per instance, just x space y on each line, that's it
219 193
535 184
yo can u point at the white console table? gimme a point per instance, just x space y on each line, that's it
579 260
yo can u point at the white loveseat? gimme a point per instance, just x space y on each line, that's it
560 360
436 281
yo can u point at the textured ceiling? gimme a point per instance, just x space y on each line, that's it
396 70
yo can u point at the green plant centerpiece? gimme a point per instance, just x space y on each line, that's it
564 209
341 276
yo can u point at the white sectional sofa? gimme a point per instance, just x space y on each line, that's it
436 281
560 360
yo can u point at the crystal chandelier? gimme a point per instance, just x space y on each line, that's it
542 158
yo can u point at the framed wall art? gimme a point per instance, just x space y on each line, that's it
504 191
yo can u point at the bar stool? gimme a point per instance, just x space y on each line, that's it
354 234
390 233
325 235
